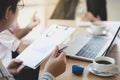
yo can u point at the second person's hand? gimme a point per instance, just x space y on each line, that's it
15 67
34 21
56 65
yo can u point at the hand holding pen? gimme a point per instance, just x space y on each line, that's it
56 64
61 50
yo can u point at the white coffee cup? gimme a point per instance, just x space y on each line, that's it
98 27
103 64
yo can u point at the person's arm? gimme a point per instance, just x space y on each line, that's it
51 70
20 33
21 47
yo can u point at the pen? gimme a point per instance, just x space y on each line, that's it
61 50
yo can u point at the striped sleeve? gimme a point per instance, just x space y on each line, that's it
47 76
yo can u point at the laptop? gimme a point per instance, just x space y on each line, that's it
88 47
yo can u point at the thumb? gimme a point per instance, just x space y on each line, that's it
55 53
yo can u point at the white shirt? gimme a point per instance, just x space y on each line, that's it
4 74
8 43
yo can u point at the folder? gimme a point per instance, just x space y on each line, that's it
41 48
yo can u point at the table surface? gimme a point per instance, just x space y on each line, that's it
68 75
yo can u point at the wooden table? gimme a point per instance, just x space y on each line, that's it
68 75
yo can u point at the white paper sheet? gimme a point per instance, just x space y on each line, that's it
41 48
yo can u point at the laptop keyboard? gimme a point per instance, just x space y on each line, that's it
91 49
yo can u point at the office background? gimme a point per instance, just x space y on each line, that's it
45 9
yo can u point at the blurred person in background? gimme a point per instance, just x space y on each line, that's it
97 8
66 9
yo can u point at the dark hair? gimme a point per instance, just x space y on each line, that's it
4 4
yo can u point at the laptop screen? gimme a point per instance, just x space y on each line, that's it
113 40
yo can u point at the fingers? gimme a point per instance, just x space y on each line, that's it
55 53
34 15
90 16
15 62
20 68
18 65
34 18
15 67
62 56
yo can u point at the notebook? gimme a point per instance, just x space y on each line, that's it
41 48
87 47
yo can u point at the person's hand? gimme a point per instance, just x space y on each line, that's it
89 17
15 67
56 64
34 22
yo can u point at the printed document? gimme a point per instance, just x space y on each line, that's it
41 48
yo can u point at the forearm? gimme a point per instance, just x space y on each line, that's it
20 33
47 76
21 47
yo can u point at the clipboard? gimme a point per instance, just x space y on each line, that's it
41 48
